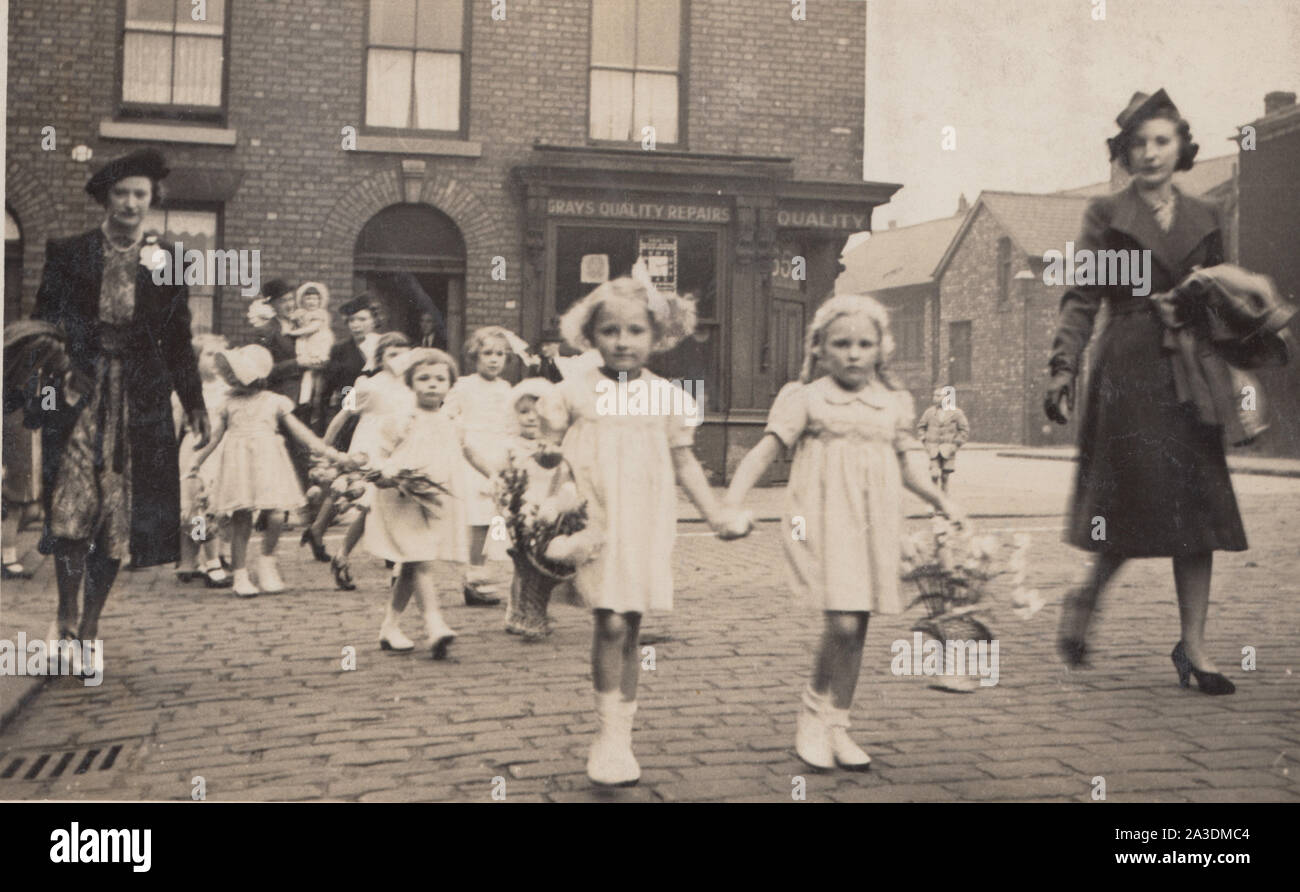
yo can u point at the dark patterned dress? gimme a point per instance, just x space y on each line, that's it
92 495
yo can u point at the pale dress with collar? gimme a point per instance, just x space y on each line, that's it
844 503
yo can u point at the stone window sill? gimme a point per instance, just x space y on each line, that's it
419 145
181 133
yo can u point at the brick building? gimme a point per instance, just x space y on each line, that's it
501 158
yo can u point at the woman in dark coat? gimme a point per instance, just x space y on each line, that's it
1152 479
111 484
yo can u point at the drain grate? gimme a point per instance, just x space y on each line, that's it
50 766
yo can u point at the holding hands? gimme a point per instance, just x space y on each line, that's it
733 522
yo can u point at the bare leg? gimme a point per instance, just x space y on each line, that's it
69 568
350 539
271 535
631 656
839 656
608 646
324 517
1192 579
241 529
477 539
189 560
405 587
1082 603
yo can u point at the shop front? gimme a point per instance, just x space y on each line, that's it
755 249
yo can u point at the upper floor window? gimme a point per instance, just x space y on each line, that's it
959 352
173 56
415 64
636 48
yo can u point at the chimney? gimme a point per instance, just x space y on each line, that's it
893 224
962 204
1277 100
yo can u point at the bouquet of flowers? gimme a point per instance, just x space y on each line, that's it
952 570
547 524
346 482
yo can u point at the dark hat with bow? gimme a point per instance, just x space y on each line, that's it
356 305
276 288
1141 107
140 163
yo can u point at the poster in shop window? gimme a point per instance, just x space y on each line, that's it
660 254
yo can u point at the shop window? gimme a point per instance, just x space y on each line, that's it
173 58
636 70
416 64
194 229
685 261
959 352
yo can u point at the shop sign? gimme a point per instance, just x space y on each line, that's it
822 219
638 210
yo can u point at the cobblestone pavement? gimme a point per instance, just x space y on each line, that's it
251 695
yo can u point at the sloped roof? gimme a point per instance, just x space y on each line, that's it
1205 174
1035 223
891 258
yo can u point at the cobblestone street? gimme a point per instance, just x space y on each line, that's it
251 695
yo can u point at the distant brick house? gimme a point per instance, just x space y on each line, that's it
501 164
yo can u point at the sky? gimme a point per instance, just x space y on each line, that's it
1032 87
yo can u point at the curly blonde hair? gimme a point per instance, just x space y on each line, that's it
479 337
671 316
849 305
421 356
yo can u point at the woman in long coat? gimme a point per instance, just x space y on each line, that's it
111 484
1152 478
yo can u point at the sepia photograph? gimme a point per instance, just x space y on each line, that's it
652 401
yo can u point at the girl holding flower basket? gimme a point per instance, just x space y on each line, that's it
849 421
625 466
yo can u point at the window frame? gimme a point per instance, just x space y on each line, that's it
219 209
683 72
203 114
466 30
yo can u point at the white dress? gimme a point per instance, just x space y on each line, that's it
845 491
623 467
482 406
397 528
214 397
254 471
377 397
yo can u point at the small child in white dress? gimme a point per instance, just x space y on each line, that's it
480 399
312 335
850 423
200 530
626 466
254 473
430 440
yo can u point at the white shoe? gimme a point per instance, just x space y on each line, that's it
243 586
268 575
611 762
440 634
391 637
812 740
846 753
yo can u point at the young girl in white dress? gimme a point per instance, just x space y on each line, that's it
849 421
626 467
375 398
312 335
254 473
421 542
480 399
200 557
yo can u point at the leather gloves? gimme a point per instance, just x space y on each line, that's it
1060 390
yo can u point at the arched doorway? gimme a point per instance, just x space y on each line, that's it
21 446
410 258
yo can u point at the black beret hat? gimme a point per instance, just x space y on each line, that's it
140 163
275 289
356 305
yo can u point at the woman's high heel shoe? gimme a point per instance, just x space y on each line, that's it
1208 682
318 550
342 573
1071 645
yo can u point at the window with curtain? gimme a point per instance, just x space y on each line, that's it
415 63
173 55
959 355
192 229
635 69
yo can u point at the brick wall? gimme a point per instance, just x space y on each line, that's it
759 83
